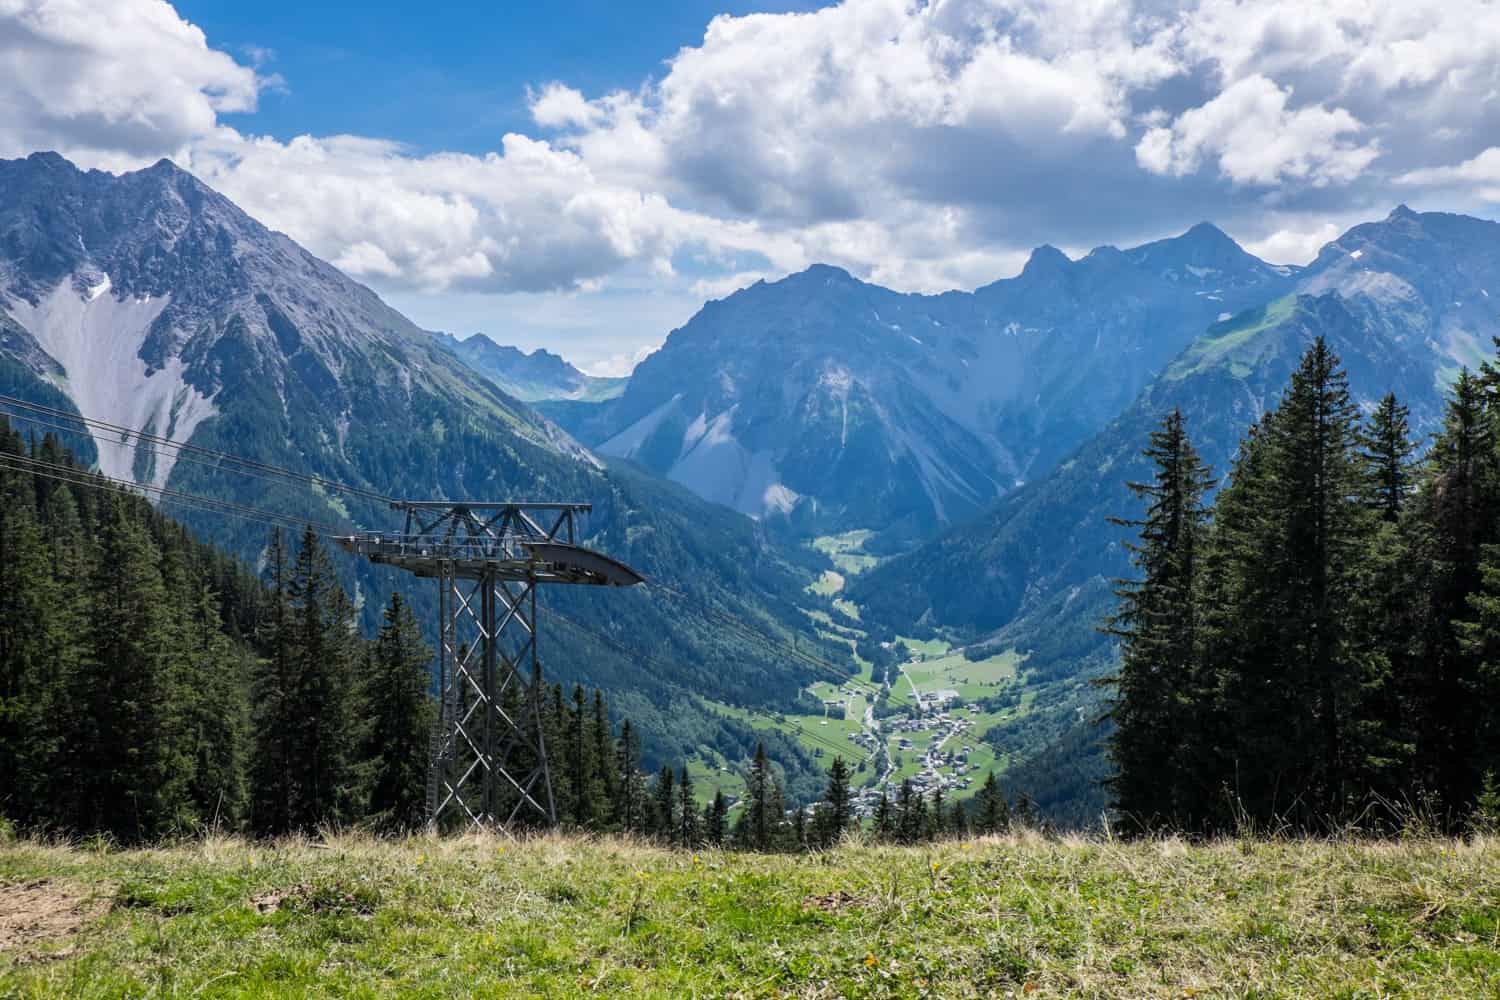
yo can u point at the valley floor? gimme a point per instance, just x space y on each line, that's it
559 916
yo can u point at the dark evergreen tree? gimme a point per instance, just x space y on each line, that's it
758 821
991 810
398 742
603 782
28 699
275 792
664 805
885 819
715 819
1294 685
838 809
1387 454
687 819
631 806
325 651
1153 706
124 746
1457 509
583 793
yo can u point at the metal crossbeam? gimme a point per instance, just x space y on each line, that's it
489 757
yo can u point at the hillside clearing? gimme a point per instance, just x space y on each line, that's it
559 916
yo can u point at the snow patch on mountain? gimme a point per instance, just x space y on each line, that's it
626 443
96 337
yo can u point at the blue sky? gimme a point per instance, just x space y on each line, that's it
582 176
444 76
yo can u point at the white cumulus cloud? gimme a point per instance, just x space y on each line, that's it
1255 138
921 145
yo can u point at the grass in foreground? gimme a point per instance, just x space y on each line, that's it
557 916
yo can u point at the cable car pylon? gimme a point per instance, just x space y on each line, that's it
488 764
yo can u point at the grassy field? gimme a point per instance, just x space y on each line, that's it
559 917
972 679
846 551
823 736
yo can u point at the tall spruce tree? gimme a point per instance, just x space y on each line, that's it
1387 453
1458 508
664 805
759 820
124 689
325 651
715 819
992 811
401 714
275 792
631 806
687 812
838 809
28 595
1284 582
1154 706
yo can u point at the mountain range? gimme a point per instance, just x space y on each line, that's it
829 404
147 300
970 446
535 377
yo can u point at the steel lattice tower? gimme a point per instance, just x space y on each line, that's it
488 763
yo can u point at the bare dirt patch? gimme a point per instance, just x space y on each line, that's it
832 902
39 913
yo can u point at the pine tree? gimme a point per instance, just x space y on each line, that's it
1458 507
687 820
122 750
838 811
937 827
216 713
664 805
1387 454
604 778
908 822
275 791
992 811
61 622
631 806
581 791
324 653
885 819
27 595
1292 530
717 819
758 818
402 714
1385 612
1157 624
780 832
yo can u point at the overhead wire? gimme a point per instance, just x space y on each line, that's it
179 457
75 476
182 446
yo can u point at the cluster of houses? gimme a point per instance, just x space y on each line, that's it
945 763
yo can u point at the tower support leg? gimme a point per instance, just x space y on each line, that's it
490 769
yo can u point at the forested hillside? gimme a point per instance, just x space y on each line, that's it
151 686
